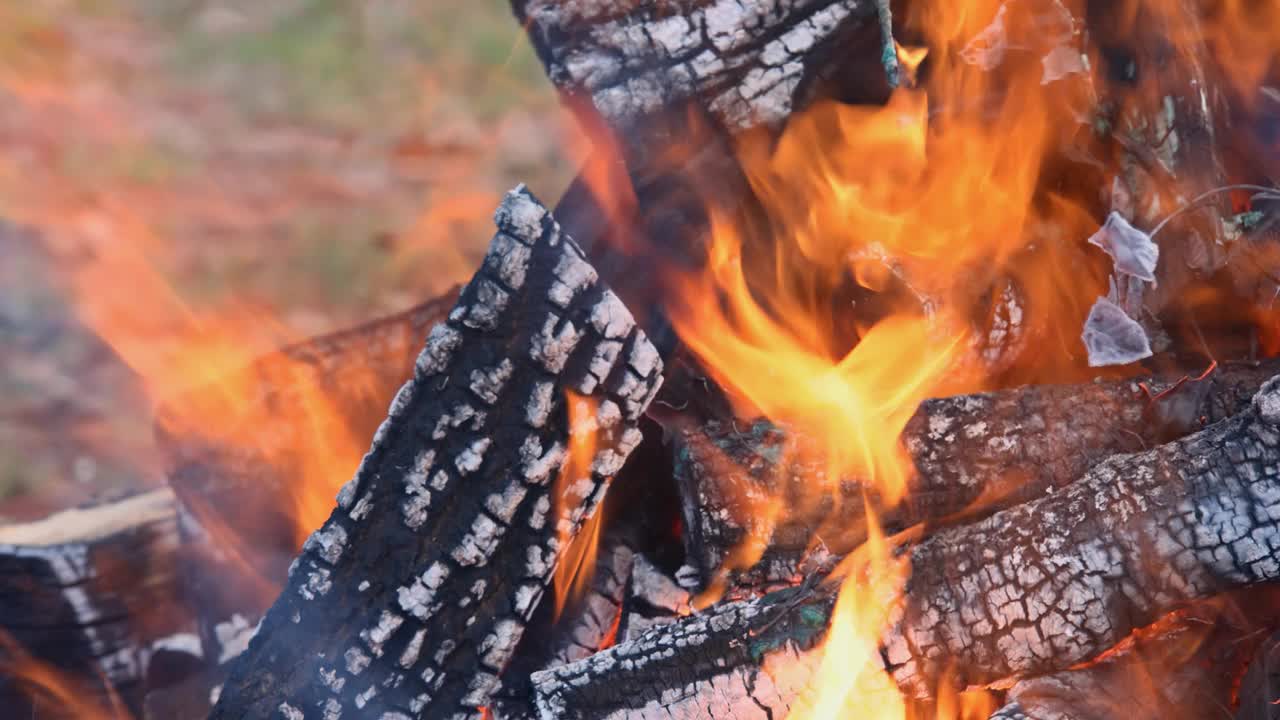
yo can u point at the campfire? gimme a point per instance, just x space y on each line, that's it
885 360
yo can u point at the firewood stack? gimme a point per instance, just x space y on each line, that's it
1089 550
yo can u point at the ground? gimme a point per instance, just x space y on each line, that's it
263 170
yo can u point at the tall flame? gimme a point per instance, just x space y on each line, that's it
919 248
578 552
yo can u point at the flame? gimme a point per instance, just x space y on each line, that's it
928 246
578 557
51 689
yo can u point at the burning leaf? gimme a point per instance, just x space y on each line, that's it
1061 61
1132 250
1112 337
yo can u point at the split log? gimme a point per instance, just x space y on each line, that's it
410 600
744 62
95 593
972 454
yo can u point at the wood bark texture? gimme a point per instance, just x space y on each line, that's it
1186 665
410 600
1028 591
743 61
972 454
747 660
1057 580
587 624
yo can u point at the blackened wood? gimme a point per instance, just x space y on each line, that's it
1057 580
95 592
1030 590
972 454
1186 665
409 601
747 659
743 61
588 623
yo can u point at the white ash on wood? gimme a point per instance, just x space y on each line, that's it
236 491
973 454
410 600
744 61
1031 590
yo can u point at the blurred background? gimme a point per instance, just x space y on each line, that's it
192 182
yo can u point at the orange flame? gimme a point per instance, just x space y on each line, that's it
578 558
50 689
925 247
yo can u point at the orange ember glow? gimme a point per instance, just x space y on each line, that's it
578 557
924 247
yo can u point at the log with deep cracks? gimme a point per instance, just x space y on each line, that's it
1030 590
972 454
410 599
1057 580
747 660
742 61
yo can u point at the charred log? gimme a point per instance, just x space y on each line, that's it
742 659
588 624
973 454
1186 665
412 597
95 593
744 62
1057 580
1028 591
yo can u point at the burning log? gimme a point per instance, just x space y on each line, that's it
1030 590
737 659
1184 666
972 453
589 623
95 592
745 62
412 597
1056 581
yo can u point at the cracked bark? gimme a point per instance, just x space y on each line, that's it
972 453
745 659
1030 590
1159 671
1057 580
92 591
744 62
410 600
